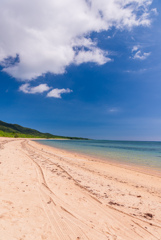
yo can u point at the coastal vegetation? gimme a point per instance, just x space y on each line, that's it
17 131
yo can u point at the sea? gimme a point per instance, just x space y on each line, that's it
140 153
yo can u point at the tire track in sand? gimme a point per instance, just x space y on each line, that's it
62 219
66 226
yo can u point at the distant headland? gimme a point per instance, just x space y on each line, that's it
17 131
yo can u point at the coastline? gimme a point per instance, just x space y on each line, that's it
66 195
153 171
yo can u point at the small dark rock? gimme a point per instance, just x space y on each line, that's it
148 215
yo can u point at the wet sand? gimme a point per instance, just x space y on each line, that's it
52 194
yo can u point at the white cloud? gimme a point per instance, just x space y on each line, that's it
48 36
135 48
94 55
154 10
113 110
56 93
141 56
138 54
26 88
137 71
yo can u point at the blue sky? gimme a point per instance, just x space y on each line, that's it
85 70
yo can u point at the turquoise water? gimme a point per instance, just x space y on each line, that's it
131 152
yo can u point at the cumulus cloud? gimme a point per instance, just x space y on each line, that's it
26 88
43 36
56 93
94 55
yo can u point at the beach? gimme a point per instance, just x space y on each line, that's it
54 194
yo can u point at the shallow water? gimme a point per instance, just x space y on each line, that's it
132 152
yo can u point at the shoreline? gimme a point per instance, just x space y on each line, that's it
131 166
48 193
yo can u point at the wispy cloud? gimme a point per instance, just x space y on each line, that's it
137 71
154 10
138 54
135 48
141 56
26 88
113 110
56 93
48 36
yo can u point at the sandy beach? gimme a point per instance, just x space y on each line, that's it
47 193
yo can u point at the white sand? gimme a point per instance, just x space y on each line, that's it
46 193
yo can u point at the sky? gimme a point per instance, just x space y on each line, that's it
85 68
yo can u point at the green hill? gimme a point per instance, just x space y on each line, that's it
15 130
